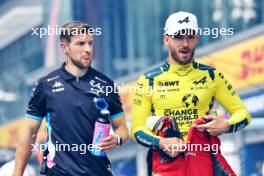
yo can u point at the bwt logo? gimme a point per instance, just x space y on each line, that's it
168 83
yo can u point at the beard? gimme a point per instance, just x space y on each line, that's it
180 61
78 64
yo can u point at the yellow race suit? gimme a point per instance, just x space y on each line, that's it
185 93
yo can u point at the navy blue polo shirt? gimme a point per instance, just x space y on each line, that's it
67 103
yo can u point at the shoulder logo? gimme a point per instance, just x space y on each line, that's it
57 87
34 89
55 77
99 79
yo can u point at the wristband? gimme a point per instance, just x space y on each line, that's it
118 141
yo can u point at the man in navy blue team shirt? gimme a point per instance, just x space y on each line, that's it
66 98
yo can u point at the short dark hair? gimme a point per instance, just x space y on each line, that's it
73 28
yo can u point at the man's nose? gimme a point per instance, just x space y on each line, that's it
185 41
88 48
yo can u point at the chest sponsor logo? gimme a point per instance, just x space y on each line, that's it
162 97
199 88
168 83
167 86
137 102
201 81
57 87
96 87
190 100
182 115
95 84
160 89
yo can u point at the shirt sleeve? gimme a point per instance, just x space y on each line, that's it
140 112
228 98
115 105
37 104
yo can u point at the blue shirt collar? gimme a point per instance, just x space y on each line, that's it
67 75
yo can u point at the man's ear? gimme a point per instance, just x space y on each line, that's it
166 40
64 47
197 39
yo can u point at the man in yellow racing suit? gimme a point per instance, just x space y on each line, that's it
184 90
185 93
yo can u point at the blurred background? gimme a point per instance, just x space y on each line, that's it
130 44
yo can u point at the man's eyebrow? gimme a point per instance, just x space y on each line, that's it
77 41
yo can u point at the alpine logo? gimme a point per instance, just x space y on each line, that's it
201 81
57 87
186 20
